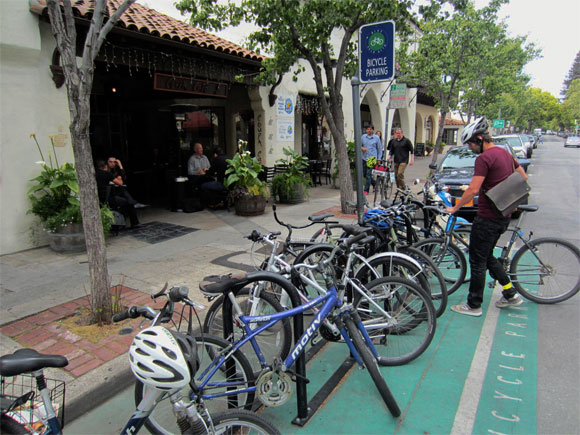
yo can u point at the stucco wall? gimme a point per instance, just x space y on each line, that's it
29 103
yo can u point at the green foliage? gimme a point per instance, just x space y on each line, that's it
54 195
573 74
242 174
284 184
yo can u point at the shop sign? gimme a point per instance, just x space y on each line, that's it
285 107
171 83
398 96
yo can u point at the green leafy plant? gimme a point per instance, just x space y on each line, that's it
242 174
54 195
285 184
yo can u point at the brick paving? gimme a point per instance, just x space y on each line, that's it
45 332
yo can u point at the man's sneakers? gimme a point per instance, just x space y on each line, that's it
467 310
503 302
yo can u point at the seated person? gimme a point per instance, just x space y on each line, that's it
115 167
108 188
197 167
213 192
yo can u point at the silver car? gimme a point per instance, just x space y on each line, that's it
572 141
516 142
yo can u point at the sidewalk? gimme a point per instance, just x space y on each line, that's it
40 288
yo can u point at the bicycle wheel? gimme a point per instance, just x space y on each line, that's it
10 426
436 281
547 273
450 261
428 276
406 325
388 189
370 363
274 341
242 422
235 374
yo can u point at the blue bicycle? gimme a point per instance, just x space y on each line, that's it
225 376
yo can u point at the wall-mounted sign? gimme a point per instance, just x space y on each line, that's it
285 130
170 83
285 106
398 96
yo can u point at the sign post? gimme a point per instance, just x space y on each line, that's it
376 63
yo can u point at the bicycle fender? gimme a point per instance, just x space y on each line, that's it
389 255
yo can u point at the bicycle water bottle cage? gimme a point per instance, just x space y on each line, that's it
215 285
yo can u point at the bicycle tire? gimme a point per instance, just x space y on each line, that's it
162 420
560 262
274 341
10 426
435 279
463 234
371 365
451 263
429 279
412 310
236 421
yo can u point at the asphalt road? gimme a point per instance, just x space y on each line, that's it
555 179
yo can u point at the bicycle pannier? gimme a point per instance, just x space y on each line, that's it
507 195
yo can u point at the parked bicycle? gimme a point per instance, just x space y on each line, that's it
163 360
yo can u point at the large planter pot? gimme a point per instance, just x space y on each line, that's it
297 197
70 238
250 205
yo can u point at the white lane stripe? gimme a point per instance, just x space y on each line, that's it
467 409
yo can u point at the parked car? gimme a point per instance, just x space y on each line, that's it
524 162
572 141
516 142
455 172
533 140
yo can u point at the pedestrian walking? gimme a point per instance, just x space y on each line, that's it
492 166
399 148
371 150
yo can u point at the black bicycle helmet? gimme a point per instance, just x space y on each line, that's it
474 129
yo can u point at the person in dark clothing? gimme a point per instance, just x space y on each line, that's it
399 148
213 192
115 167
492 166
107 183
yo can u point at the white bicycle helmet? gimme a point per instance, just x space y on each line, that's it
475 128
157 359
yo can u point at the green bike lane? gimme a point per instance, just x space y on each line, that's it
477 376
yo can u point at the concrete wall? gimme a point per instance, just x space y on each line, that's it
29 103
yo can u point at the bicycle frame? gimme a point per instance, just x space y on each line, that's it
329 302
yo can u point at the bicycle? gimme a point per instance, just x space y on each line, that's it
273 385
544 270
164 360
385 178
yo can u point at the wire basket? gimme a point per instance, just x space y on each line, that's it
31 413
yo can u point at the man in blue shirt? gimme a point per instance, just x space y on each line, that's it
371 147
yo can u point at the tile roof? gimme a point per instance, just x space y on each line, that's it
139 18
451 121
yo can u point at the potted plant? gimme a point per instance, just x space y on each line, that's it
247 191
292 184
54 199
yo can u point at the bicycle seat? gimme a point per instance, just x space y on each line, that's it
29 360
319 218
215 285
528 207
353 230
386 203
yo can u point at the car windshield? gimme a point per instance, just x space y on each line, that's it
515 142
458 159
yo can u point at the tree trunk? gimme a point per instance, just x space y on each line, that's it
439 137
79 104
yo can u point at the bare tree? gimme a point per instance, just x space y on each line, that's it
79 76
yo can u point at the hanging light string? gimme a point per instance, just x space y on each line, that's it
158 61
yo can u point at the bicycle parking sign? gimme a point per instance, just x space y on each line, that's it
377 52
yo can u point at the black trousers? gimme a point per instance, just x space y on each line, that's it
126 207
484 236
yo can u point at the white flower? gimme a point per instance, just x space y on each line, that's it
41 163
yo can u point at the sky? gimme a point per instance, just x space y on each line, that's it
552 25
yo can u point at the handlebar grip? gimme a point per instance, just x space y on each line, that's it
119 317
178 294
352 240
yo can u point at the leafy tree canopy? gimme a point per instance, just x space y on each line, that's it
573 74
